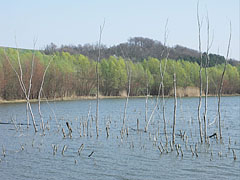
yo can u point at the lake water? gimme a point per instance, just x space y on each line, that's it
30 155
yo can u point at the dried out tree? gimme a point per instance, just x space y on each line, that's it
200 74
221 83
207 59
21 82
161 84
129 73
175 107
162 72
97 73
40 92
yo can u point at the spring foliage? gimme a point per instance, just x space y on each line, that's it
75 75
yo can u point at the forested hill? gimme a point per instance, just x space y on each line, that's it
75 75
137 49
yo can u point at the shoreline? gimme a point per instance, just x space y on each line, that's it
100 97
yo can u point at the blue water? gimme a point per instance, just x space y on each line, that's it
30 155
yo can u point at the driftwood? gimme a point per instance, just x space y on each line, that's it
213 135
80 149
69 129
91 154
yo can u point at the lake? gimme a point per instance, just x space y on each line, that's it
30 155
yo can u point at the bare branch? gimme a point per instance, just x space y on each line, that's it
221 82
98 59
40 91
200 73
20 79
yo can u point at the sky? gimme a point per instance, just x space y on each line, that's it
73 22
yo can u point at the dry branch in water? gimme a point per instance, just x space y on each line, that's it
69 129
80 149
200 74
64 149
221 83
40 91
22 85
206 76
161 86
129 73
175 107
91 154
99 56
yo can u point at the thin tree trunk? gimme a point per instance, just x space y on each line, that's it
160 84
30 81
154 109
99 56
27 116
129 89
39 94
162 76
200 76
221 84
146 104
175 108
22 85
206 76
205 111
163 99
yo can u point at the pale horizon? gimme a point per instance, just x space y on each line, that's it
77 22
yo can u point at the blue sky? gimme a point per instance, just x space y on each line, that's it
77 22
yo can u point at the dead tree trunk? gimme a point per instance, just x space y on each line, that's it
221 84
175 107
206 76
40 92
30 82
162 82
99 56
129 76
22 85
163 102
154 109
200 76
146 102
129 89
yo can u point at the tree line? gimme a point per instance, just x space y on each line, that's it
71 75
137 49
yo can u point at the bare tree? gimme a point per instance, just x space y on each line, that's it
40 92
221 83
97 66
129 73
200 74
162 72
146 101
175 107
206 76
30 81
129 76
22 85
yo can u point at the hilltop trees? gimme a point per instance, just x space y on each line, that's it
75 75
137 49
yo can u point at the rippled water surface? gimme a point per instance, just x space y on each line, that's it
29 155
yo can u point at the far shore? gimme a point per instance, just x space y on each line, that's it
94 97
